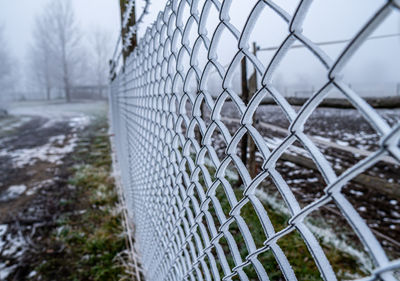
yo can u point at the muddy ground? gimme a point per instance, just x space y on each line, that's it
342 128
37 151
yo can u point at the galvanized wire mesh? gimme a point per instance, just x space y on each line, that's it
170 166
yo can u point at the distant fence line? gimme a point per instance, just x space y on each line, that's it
77 92
363 90
189 202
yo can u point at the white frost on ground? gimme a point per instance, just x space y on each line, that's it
312 180
5 271
3 229
15 246
343 143
362 209
356 192
320 229
77 116
58 140
32 274
79 122
322 138
47 152
329 237
12 192
9 124
39 185
10 247
273 201
53 151
289 164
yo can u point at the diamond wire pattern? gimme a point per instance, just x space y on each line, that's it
162 159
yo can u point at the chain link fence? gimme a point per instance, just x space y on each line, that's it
201 211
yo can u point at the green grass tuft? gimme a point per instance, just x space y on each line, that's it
92 236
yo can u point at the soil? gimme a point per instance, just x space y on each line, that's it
59 212
381 210
29 218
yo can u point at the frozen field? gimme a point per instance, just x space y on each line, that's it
344 137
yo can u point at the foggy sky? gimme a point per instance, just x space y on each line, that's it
376 62
18 17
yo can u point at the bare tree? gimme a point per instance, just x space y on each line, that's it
42 59
7 68
5 65
59 35
100 44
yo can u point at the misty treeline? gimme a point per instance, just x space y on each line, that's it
61 58
7 67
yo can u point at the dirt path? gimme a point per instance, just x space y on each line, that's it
35 157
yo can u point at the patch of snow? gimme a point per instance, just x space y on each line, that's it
289 164
322 138
6 271
321 230
3 229
362 209
328 237
10 246
312 180
231 174
292 173
356 192
343 143
47 152
38 186
337 166
79 122
13 124
58 139
393 202
15 247
273 201
295 181
12 192
395 214
50 123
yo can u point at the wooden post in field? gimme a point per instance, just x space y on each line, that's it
245 98
198 135
252 145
